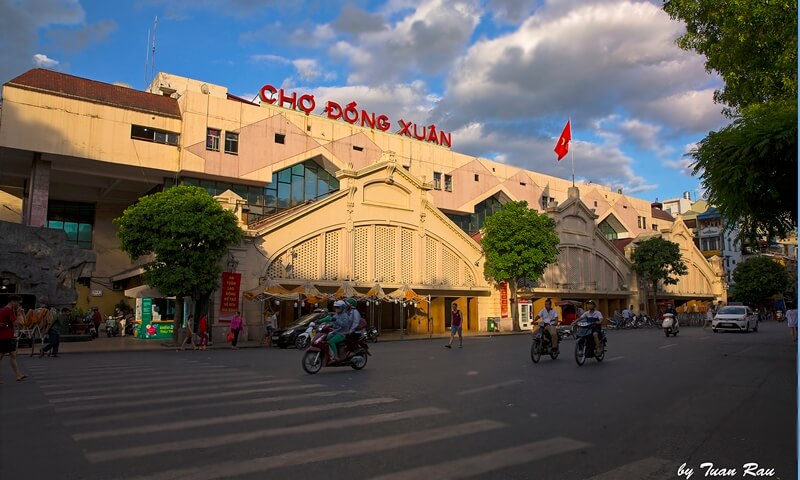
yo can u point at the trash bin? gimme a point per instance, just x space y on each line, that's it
492 324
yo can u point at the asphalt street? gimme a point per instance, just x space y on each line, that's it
655 408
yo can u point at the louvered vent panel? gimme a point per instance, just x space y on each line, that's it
276 269
331 256
430 260
306 262
407 256
385 256
449 267
360 252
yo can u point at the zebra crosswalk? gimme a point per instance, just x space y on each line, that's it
228 422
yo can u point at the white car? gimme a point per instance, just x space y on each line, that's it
738 318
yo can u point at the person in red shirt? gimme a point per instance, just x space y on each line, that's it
97 318
455 327
202 329
8 315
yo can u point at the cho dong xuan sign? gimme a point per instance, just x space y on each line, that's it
350 113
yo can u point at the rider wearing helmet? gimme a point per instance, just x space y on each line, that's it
549 316
595 317
355 315
341 326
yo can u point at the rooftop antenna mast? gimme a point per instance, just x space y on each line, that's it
146 58
153 66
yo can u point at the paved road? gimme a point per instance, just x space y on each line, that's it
417 411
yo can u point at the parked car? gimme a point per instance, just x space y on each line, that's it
286 336
737 318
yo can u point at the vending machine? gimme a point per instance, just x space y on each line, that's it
525 313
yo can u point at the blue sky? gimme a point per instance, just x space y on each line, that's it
502 75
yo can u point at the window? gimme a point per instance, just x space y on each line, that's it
477 177
358 149
448 183
595 203
212 139
474 222
547 201
607 230
523 184
75 219
155 135
280 138
437 180
232 143
655 227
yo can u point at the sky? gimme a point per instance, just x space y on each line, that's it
502 76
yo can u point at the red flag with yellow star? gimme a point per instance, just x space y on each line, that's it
562 147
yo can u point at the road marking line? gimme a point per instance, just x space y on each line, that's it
141 383
171 410
54 373
186 398
329 452
148 393
213 379
640 469
490 387
223 440
242 417
667 346
487 462
614 359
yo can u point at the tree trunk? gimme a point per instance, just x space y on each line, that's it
177 322
655 299
514 310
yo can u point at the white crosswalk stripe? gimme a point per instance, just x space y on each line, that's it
200 378
642 469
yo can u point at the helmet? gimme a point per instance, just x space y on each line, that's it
339 304
352 302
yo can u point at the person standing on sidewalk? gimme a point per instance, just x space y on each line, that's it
236 327
53 332
455 327
189 333
791 320
8 315
202 330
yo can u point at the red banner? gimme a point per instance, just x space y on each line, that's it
229 295
503 299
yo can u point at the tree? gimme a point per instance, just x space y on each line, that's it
658 260
749 168
759 278
187 233
518 243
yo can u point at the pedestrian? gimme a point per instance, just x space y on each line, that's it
189 333
97 318
709 315
53 332
10 314
455 326
236 327
791 320
202 329
270 324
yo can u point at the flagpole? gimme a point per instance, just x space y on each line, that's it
572 151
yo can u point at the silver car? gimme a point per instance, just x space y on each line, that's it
737 318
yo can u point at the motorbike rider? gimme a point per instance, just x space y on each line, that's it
549 317
341 326
595 318
355 316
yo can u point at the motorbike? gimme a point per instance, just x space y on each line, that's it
542 344
584 346
112 327
670 324
353 352
372 334
303 339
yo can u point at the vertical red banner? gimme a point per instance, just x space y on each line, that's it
229 295
503 299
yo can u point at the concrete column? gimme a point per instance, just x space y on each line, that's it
37 194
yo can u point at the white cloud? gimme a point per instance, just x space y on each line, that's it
43 61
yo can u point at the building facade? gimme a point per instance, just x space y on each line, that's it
324 198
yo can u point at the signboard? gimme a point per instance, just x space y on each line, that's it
229 295
350 113
504 299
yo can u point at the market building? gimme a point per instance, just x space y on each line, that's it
328 197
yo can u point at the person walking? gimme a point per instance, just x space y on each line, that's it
202 330
189 334
97 318
8 346
236 327
709 316
791 320
53 332
455 326
270 324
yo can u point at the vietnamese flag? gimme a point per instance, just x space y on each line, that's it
562 147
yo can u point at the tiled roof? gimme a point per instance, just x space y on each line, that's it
661 214
621 243
69 86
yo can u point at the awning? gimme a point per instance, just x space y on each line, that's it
126 274
143 291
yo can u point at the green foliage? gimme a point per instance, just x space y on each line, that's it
659 260
759 278
518 242
186 231
751 45
750 170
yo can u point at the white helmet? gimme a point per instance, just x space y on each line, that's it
339 304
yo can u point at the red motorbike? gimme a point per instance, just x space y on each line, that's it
353 352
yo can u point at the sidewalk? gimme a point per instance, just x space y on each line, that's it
133 344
